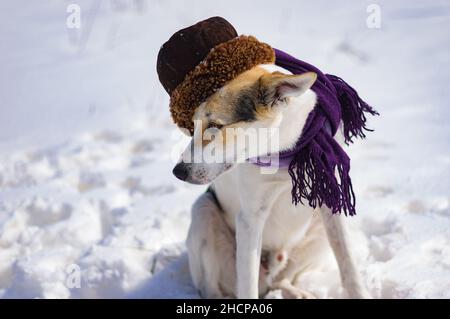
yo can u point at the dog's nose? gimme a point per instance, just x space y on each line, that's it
180 171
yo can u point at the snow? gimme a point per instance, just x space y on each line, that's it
87 145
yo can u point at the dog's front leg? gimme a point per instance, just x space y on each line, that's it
257 197
338 238
249 228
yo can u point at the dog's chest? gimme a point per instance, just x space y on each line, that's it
286 224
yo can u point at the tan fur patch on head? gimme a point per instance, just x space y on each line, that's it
224 63
221 106
246 98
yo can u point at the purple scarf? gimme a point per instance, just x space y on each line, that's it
316 158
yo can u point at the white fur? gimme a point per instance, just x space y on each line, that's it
256 209
274 68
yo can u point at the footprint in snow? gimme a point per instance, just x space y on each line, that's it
88 181
108 137
42 212
416 206
134 186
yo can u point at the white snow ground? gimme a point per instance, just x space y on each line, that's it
87 146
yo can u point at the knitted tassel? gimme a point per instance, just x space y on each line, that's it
353 109
314 173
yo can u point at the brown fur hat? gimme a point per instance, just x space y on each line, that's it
198 60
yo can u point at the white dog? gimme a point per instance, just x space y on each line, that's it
246 236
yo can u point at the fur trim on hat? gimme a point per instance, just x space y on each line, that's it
223 63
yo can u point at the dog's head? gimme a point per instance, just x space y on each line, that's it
247 109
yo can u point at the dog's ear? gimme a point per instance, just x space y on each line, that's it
278 86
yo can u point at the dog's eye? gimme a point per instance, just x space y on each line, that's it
215 125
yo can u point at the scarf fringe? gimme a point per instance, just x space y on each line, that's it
318 179
314 179
320 167
353 109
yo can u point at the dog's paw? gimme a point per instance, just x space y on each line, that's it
296 293
358 293
289 291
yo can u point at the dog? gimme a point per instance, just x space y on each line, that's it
246 237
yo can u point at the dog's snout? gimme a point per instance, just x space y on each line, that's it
180 171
